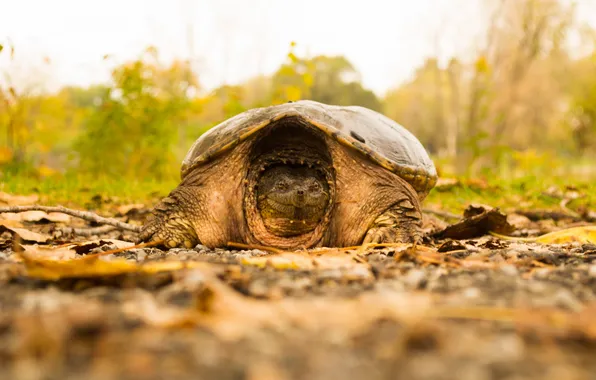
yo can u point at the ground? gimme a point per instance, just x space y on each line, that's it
476 307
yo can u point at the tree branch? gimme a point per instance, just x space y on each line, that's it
85 215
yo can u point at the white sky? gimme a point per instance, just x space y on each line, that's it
232 40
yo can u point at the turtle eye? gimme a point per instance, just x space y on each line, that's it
314 187
283 186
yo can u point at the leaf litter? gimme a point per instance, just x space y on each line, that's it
373 305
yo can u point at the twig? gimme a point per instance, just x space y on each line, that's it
440 213
231 244
87 231
85 215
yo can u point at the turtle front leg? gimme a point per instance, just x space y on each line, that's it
401 223
171 222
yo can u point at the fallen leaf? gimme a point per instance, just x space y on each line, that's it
46 269
37 216
518 221
585 235
86 247
451 245
26 235
305 261
50 253
18 200
478 220
129 209
11 223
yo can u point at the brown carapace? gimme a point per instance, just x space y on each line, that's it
298 175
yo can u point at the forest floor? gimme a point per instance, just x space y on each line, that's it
465 304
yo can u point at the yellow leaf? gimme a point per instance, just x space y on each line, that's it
95 267
585 235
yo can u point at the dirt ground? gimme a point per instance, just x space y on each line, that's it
477 308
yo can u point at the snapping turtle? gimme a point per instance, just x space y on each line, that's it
298 175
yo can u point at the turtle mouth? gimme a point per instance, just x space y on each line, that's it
292 196
290 184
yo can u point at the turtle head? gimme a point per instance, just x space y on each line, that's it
292 200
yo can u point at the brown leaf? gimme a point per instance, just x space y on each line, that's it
451 245
17 200
50 253
86 247
11 223
129 209
339 259
36 216
26 235
518 221
479 220
91 268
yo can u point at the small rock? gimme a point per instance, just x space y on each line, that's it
414 278
568 300
542 272
509 270
471 293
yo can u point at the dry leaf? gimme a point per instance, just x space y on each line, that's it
11 223
86 247
305 261
585 235
44 268
479 220
126 209
49 253
37 216
26 235
18 200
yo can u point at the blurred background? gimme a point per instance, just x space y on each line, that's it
121 89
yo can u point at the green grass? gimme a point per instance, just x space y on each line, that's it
89 192
522 193
86 192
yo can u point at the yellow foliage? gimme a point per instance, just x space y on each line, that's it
6 155
481 65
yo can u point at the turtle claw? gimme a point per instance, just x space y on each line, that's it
169 234
169 226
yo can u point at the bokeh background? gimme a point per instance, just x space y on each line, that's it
121 89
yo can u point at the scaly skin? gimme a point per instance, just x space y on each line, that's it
401 223
171 220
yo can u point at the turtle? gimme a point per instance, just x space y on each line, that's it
297 175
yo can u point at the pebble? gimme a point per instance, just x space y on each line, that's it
414 278
471 293
509 270
566 299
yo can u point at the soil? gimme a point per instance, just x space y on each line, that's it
480 308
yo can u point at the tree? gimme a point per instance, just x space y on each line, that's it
327 79
133 130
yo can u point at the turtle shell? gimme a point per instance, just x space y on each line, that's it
377 137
